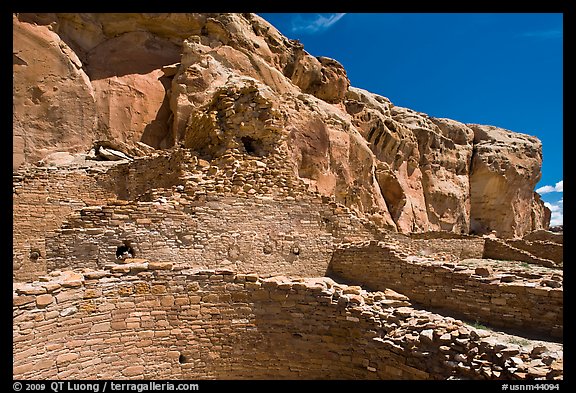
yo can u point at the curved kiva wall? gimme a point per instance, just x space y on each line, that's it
149 320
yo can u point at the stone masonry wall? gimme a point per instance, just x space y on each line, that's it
257 234
130 180
42 198
176 206
453 245
540 249
150 320
461 291
503 250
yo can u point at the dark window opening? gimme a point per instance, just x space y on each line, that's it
35 254
251 145
182 359
125 251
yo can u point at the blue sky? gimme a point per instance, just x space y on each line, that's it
499 69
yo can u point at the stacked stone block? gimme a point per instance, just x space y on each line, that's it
151 320
494 297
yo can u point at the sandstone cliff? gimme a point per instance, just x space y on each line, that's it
220 82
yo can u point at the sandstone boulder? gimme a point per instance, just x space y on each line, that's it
505 169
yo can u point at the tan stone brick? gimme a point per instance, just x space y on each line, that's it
91 342
167 301
162 323
68 295
132 371
141 288
144 343
129 305
51 286
21 300
253 285
195 299
44 300
100 327
145 334
148 304
66 358
106 307
180 301
92 293
210 298
75 343
44 364
88 306
118 325
158 289
22 369
125 290
54 346
90 362
239 296
160 265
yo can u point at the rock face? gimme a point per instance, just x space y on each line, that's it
54 103
505 169
220 82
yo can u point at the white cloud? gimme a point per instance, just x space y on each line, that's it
314 24
557 210
558 187
544 34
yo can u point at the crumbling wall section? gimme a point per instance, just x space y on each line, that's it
451 245
41 200
505 250
150 320
540 249
256 234
499 300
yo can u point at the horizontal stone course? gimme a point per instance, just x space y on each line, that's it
211 285
284 328
476 293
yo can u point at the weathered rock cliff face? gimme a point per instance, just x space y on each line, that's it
220 82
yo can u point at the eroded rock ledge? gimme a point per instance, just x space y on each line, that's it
219 82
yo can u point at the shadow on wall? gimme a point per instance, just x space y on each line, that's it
158 132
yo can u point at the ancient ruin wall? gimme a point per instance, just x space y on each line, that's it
149 320
180 208
540 249
247 234
455 289
456 246
505 250
42 198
